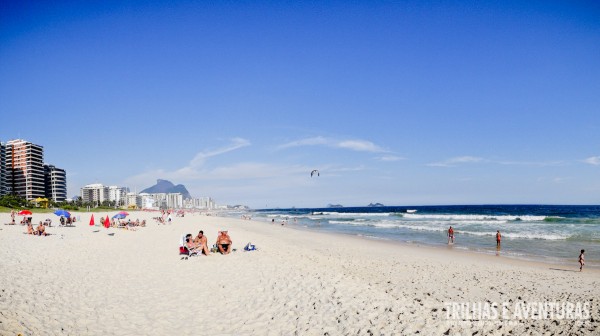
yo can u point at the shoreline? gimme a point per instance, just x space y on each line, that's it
535 261
97 281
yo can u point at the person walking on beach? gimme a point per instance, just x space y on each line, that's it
498 238
581 260
450 235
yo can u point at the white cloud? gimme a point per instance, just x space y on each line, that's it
594 160
352 144
390 158
532 163
236 143
452 162
190 172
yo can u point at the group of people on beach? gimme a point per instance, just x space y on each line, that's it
499 241
199 244
39 231
451 237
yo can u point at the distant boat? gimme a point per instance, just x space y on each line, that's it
411 211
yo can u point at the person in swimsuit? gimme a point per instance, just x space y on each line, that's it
202 242
451 235
224 242
41 230
30 229
581 260
498 238
190 244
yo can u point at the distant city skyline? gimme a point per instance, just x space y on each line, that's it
410 103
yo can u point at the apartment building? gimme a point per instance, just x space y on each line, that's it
55 183
3 170
25 165
94 193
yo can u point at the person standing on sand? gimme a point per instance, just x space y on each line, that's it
581 260
450 235
498 238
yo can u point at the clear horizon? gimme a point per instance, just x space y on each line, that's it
416 103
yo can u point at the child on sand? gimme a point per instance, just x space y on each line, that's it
581 260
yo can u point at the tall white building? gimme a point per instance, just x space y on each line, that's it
134 199
94 193
200 203
117 194
175 201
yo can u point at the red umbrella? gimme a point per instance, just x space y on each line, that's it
107 222
92 220
124 213
24 213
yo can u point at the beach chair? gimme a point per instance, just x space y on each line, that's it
183 249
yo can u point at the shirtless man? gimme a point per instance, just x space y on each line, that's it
30 229
41 230
202 242
224 242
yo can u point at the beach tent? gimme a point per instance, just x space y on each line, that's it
41 202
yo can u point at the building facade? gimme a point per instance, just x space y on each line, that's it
55 183
3 170
94 193
117 195
25 165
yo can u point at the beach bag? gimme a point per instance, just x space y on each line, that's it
250 247
183 250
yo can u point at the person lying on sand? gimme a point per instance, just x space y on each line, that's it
224 242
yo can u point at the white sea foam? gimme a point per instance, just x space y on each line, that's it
357 214
475 217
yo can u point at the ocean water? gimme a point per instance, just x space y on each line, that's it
552 233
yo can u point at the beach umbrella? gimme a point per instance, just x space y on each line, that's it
92 220
24 213
61 212
119 216
106 222
124 213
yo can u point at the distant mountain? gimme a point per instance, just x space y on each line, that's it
164 186
335 206
375 205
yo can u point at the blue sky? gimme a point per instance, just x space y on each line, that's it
402 103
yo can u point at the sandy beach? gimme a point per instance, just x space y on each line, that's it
87 280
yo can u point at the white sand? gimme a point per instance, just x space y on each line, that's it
81 282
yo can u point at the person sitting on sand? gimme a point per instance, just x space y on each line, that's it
30 229
202 242
581 260
190 244
41 230
224 242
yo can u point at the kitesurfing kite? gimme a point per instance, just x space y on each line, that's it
314 172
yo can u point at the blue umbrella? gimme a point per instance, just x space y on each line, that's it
61 212
119 216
